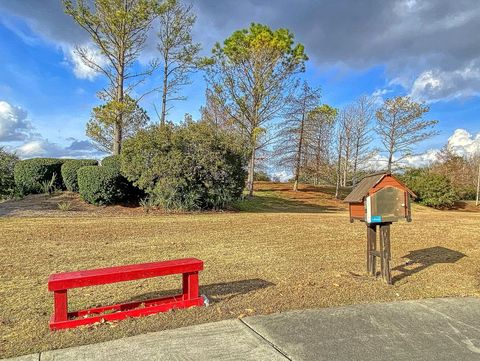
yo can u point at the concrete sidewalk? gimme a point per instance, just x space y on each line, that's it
436 329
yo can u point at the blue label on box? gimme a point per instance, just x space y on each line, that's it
376 219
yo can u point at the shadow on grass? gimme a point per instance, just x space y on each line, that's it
215 291
423 258
466 206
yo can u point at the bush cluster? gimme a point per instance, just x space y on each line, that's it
432 189
101 185
69 172
466 193
112 161
30 174
192 166
261 176
96 184
7 181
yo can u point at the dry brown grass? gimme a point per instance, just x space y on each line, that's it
268 258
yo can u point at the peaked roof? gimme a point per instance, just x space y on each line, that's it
368 182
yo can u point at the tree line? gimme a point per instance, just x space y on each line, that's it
254 91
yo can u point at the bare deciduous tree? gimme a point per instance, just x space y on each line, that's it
401 126
363 114
178 53
318 144
290 149
346 133
342 149
477 200
214 112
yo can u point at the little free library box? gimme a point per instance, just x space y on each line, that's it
379 200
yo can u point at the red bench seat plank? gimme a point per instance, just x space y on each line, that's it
100 276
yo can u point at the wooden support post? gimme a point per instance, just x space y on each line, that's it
190 286
382 252
385 252
371 248
60 303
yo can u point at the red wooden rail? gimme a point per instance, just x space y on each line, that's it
61 282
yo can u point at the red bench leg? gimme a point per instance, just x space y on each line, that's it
60 305
190 286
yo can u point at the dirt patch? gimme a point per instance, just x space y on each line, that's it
466 206
42 205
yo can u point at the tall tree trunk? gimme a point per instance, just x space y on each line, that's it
251 172
164 94
299 152
117 134
345 169
355 165
117 127
477 202
339 165
391 148
390 160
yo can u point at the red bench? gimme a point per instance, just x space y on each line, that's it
61 282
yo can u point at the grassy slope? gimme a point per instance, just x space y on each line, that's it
283 251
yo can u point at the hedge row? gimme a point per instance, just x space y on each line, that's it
112 161
106 184
69 172
29 174
96 184
101 185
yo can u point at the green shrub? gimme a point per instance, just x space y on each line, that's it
261 176
112 161
466 193
64 206
7 181
48 187
30 174
192 166
101 185
433 190
69 172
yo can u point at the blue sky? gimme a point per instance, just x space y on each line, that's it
426 49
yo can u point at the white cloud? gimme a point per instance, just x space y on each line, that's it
421 160
376 163
21 137
44 148
463 143
80 69
50 24
435 85
378 95
379 162
31 149
460 142
14 125
281 176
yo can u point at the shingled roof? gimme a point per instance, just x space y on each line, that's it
370 181
362 189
